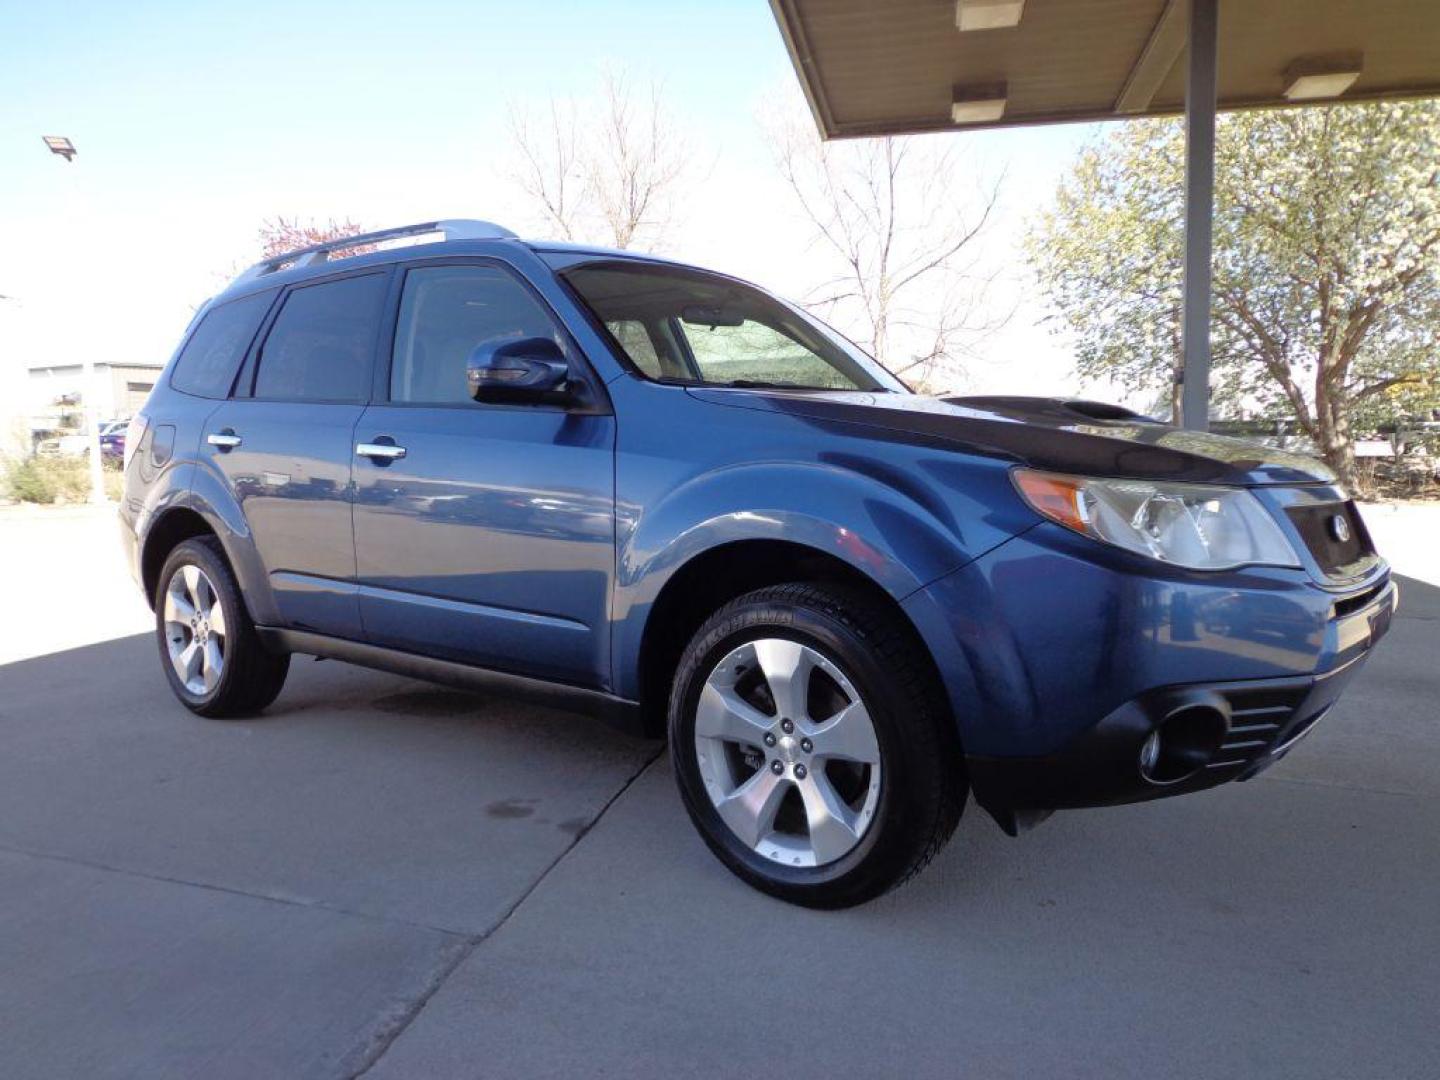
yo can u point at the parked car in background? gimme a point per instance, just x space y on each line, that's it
112 442
641 489
112 438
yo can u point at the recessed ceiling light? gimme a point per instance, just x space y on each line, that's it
1321 77
988 14
978 104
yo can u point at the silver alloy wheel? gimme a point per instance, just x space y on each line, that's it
194 629
751 760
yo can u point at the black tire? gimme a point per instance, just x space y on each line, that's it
250 677
923 785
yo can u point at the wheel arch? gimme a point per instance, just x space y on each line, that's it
711 578
218 504
198 516
171 529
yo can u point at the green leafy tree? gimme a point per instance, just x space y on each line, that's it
1326 266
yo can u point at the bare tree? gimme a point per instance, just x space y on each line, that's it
608 172
547 166
900 224
638 159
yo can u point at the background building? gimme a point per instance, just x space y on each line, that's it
42 383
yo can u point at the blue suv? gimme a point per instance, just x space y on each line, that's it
641 490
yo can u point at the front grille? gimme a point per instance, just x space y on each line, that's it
1317 527
1351 604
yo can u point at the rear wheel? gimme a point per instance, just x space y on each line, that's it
812 746
208 645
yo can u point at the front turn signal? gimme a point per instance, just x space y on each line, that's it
1059 498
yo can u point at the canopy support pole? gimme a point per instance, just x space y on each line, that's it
1200 101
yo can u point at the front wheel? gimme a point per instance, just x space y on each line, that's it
812 745
210 651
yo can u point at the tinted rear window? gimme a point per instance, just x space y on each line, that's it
206 366
322 342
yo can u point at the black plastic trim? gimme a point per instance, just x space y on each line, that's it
1100 767
618 712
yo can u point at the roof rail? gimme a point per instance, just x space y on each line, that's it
450 228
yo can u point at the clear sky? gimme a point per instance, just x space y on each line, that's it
194 121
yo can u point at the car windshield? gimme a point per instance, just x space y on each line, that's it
675 324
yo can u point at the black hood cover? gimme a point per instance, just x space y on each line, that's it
1056 434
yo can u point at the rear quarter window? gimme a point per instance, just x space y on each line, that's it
207 364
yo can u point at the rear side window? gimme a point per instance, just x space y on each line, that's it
445 312
321 344
206 366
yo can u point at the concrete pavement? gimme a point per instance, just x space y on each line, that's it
1282 928
383 878
272 897
64 568
1405 534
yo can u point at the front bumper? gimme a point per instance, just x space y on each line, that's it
1258 722
1046 634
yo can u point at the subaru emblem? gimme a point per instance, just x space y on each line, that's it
1339 528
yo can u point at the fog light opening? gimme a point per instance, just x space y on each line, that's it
1182 744
1299 731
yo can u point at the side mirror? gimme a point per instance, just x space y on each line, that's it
527 370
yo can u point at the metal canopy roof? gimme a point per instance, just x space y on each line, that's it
871 68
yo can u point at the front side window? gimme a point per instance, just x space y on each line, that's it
321 344
635 340
207 365
683 325
446 312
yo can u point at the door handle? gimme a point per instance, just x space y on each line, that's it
226 440
377 451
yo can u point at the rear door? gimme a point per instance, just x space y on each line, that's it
483 532
283 444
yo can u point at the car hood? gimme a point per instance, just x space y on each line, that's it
1056 434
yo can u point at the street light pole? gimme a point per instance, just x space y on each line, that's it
62 147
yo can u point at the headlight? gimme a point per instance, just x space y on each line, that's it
1193 525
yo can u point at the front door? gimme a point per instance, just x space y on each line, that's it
284 446
483 533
